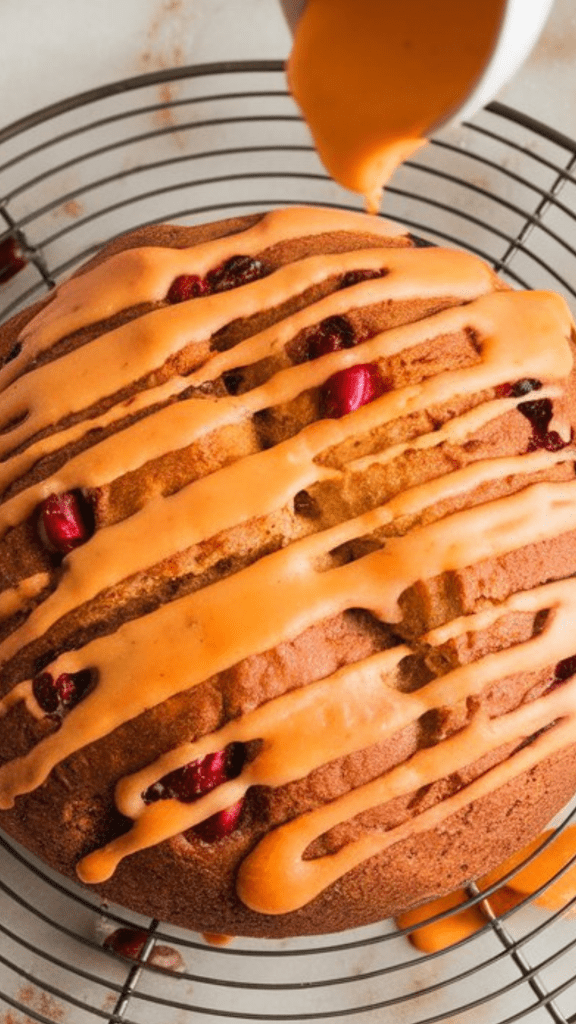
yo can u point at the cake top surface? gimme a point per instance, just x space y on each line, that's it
54 394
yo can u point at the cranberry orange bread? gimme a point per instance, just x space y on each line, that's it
288 544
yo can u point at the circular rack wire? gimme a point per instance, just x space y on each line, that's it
189 145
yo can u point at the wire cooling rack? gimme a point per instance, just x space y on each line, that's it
195 144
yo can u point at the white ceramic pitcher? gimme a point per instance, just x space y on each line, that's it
521 25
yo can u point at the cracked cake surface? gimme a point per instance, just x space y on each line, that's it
288 539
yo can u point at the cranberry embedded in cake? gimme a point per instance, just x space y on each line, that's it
331 335
192 780
186 286
219 825
64 522
351 388
195 779
234 272
540 413
519 388
565 669
550 440
57 696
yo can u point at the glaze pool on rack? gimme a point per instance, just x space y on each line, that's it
532 869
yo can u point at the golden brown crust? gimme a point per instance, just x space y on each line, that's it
190 882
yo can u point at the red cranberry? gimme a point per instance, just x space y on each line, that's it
56 696
187 286
519 388
199 777
551 441
565 669
236 271
219 825
356 276
331 335
350 389
130 942
539 413
193 780
64 522
11 260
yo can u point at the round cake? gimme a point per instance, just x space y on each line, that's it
287 564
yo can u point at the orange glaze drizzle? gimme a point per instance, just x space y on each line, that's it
348 711
509 324
200 511
75 381
186 511
16 598
217 627
157 434
279 857
21 692
145 274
